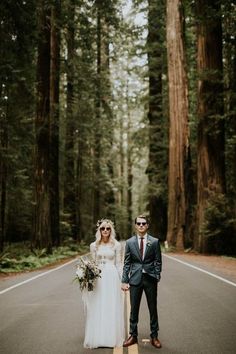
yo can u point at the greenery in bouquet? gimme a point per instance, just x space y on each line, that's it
87 273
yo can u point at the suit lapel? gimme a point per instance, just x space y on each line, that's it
147 246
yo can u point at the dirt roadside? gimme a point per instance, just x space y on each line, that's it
220 265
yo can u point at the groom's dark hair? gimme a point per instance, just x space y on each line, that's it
143 217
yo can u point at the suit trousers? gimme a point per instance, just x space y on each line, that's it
149 286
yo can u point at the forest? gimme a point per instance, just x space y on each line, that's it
111 109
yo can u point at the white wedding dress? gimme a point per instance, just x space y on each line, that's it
105 304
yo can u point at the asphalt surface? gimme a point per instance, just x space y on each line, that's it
197 314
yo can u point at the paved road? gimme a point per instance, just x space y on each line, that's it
197 314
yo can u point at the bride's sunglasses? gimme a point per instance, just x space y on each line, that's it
141 223
105 228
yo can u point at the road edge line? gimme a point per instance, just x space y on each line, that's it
36 277
200 269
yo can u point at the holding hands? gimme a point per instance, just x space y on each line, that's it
124 286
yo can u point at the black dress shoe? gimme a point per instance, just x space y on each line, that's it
156 343
130 341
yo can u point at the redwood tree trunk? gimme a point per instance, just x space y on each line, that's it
232 105
97 151
103 194
54 121
129 177
70 205
178 128
210 162
42 232
3 169
155 115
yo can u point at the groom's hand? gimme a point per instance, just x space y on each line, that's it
124 286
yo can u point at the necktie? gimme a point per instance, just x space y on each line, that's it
141 247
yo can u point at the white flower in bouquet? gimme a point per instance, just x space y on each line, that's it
86 274
80 273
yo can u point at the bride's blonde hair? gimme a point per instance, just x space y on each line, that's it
101 223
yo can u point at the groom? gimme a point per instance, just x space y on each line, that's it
141 272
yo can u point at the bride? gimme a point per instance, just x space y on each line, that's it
105 304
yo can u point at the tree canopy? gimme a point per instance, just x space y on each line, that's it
114 109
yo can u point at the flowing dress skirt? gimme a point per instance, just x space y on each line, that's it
105 311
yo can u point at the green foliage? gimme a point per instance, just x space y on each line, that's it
65 227
18 257
122 125
17 82
229 30
220 225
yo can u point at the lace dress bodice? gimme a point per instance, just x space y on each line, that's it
107 255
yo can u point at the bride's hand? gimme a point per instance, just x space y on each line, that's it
124 286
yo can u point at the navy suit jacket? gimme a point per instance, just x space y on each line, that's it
134 264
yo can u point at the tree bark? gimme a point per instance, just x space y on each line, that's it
178 128
97 150
70 205
129 175
155 115
211 145
103 194
42 225
54 121
232 107
3 168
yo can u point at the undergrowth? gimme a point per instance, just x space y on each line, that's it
18 257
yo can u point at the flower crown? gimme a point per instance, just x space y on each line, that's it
99 222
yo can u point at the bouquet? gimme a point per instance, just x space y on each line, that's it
86 274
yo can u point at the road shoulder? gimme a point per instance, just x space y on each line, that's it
220 265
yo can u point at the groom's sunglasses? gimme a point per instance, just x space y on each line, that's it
105 228
141 223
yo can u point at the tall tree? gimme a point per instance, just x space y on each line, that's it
103 192
229 55
157 152
101 46
42 226
178 129
3 165
47 127
54 120
84 121
129 174
17 57
69 179
211 144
